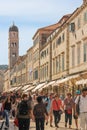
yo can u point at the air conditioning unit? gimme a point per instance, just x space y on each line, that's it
72 27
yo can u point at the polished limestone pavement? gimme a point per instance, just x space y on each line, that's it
47 127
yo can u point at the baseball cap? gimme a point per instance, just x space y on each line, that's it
78 92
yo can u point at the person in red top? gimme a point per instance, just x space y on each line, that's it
56 107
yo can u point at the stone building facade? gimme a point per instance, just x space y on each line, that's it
6 84
30 65
59 53
3 69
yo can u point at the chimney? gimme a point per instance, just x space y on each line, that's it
84 1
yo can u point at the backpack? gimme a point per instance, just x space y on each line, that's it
39 110
23 108
77 106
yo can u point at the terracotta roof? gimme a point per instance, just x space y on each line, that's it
52 27
47 28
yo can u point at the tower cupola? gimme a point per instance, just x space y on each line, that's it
13 28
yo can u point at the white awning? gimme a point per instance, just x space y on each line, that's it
18 88
85 81
74 76
25 87
47 85
12 89
82 81
51 83
28 89
62 80
66 79
38 87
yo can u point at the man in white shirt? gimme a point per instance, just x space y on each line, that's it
83 109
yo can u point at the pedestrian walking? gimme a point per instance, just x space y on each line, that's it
40 112
68 106
76 116
7 106
57 108
48 103
23 113
82 99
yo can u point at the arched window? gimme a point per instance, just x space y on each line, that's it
13 54
15 44
12 44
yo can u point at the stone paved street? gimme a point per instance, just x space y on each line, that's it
32 126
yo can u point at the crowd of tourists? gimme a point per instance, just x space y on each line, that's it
44 109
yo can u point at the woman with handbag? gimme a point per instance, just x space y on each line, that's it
56 107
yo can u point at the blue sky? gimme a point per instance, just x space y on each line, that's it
28 16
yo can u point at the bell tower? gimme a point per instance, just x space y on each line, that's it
13 45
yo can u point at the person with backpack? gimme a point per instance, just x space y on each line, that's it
77 111
39 112
23 113
82 101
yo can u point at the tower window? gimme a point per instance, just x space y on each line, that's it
13 44
14 34
85 17
14 55
58 42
